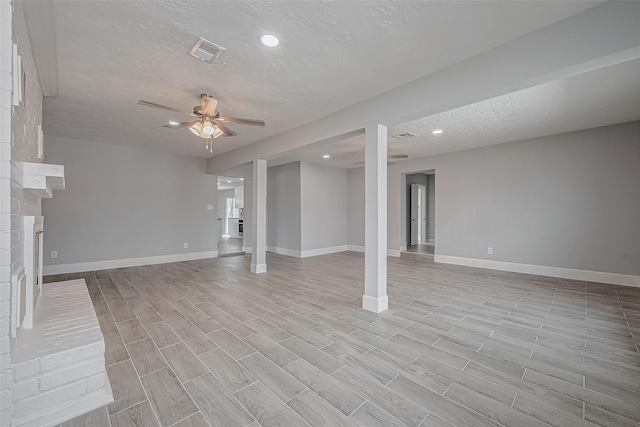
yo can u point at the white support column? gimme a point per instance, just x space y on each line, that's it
259 217
216 208
375 237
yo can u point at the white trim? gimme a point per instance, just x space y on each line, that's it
258 268
323 251
403 248
33 273
374 304
393 253
246 249
541 270
284 251
129 262
357 248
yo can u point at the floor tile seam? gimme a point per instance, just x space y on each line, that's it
360 406
144 390
277 397
289 400
228 391
124 409
189 416
606 396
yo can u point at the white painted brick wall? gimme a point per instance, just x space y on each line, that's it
33 386
96 382
24 370
72 357
72 373
46 401
6 85
24 389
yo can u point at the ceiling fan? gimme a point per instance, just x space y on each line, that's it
389 157
208 123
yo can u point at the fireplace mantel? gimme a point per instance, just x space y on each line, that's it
41 179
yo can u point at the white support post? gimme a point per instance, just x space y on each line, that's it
216 208
259 217
375 240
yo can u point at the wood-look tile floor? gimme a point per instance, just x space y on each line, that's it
207 343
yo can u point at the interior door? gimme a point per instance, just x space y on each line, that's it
414 217
422 213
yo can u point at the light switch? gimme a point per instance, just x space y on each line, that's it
209 207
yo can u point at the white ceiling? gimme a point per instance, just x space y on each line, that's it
229 182
332 54
598 98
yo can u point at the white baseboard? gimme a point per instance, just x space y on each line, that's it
258 268
247 249
323 251
129 262
284 251
393 252
390 252
377 305
307 253
541 270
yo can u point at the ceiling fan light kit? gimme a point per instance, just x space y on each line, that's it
208 125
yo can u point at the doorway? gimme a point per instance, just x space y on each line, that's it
420 221
230 215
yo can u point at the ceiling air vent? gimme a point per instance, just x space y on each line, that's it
206 50
404 135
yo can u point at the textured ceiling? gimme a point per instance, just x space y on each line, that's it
599 98
229 182
332 54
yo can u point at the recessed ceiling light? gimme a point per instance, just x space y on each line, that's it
326 156
228 181
173 123
269 40
437 131
241 179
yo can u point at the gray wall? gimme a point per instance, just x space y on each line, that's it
355 210
283 206
123 202
431 207
568 200
324 202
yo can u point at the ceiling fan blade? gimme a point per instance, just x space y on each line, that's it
162 107
241 121
226 130
180 125
208 105
398 156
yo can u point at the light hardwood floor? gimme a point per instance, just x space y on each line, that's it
207 343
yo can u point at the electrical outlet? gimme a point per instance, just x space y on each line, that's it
186 245
54 254
490 251
209 207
